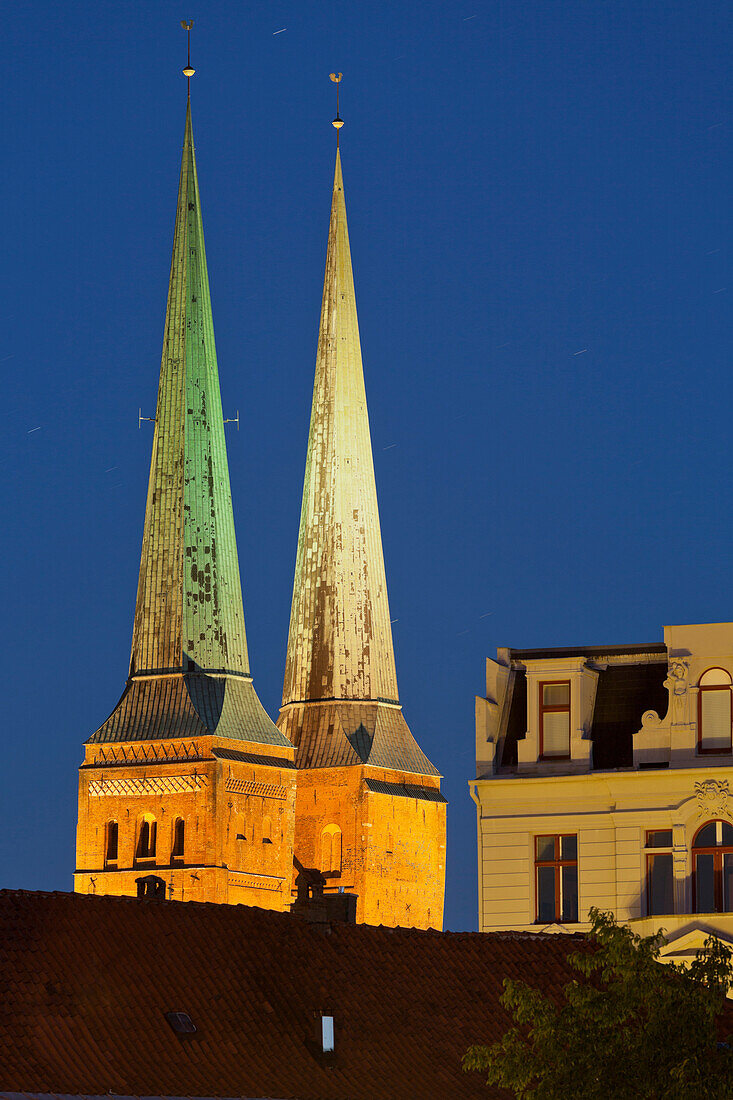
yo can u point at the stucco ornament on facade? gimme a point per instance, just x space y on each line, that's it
678 671
677 685
713 797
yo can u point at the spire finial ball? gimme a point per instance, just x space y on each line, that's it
188 72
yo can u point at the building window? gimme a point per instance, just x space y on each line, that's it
179 838
712 854
266 830
331 850
555 720
111 842
556 871
659 873
714 712
147 837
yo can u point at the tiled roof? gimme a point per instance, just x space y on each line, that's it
85 983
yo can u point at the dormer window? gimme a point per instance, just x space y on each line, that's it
714 712
555 720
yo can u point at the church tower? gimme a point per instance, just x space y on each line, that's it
188 782
369 812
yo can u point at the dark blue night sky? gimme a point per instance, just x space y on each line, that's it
538 200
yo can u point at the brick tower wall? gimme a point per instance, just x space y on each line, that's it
217 800
392 848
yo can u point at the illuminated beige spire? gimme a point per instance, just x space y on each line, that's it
340 643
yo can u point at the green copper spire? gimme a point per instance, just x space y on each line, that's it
189 603
189 669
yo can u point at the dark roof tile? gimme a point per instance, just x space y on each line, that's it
85 983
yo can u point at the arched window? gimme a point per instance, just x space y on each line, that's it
714 711
266 830
331 849
712 855
179 838
147 837
325 851
111 842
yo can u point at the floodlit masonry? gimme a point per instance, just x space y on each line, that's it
603 778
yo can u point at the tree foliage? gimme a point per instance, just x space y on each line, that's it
628 1027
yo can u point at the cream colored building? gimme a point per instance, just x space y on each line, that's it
603 778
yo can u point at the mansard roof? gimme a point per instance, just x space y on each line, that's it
86 983
630 682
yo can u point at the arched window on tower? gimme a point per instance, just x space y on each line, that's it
147 837
714 712
179 838
111 842
266 830
712 857
331 850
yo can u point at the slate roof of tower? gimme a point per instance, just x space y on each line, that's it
333 734
189 706
85 983
189 668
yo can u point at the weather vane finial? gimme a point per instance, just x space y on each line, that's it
188 71
338 121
